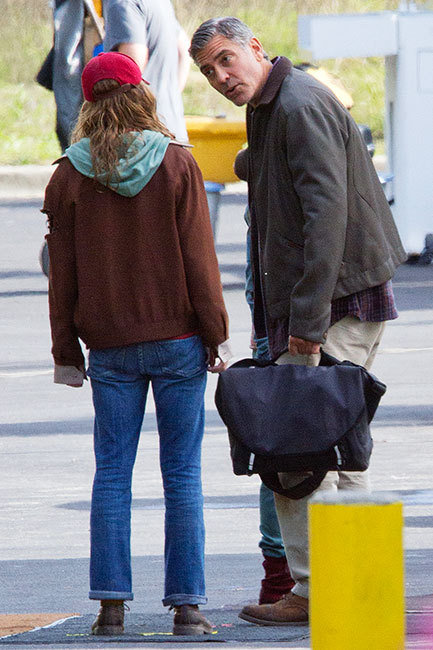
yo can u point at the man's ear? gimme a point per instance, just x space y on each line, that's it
257 48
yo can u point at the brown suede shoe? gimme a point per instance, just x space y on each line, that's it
189 621
109 621
290 610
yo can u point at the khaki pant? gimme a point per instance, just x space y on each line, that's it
358 342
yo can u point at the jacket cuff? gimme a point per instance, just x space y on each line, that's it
225 351
68 375
314 328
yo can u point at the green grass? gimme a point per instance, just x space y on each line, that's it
26 125
27 114
25 38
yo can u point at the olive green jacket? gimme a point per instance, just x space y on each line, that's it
321 225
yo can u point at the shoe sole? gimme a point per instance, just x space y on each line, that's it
260 621
190 630
108 630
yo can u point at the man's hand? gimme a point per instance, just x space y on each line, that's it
302 346
212 365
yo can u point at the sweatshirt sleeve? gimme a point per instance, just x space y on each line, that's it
62 288
125 22
199 257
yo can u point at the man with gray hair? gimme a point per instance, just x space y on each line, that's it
324 243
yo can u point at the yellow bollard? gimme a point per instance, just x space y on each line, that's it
357 575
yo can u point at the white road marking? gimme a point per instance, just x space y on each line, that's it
17 374
403 350
412 284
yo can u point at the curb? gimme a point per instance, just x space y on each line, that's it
155 628
30 181
24 181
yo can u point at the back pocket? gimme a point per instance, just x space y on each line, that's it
182 357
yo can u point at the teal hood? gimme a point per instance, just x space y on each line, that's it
141 160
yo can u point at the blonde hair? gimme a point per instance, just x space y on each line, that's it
107 121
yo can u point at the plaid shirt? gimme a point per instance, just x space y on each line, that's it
374 304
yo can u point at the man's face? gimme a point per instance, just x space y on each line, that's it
237 72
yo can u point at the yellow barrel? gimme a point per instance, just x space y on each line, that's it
98 6
357 575
216 142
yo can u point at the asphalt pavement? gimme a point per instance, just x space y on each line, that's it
46 464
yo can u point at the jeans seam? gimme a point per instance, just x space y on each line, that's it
158 355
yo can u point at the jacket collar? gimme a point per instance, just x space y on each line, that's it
281 67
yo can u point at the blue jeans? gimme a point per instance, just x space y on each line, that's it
120 380
271 541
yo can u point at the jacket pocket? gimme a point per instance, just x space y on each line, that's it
286 252
293 244
290 242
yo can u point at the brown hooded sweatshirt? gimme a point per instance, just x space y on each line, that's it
125 270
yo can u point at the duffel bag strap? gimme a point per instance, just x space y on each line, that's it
298 491
249 362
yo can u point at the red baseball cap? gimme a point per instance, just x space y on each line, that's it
109 65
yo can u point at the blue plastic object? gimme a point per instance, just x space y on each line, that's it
213 195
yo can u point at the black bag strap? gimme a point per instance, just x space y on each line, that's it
45 75
298 491
325 360
252 363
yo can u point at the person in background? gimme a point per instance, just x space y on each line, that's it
324 243
148 31
136 279
277 580
62 68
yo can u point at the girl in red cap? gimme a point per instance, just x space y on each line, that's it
134 276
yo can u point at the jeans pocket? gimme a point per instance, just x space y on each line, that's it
106 362
182 357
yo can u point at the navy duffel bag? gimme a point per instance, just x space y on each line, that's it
289 418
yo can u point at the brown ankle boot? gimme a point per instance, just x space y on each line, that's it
290 610
189 621
110 618
277 580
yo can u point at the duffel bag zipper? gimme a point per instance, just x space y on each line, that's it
339 457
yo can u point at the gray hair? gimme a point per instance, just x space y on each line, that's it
228 26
